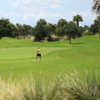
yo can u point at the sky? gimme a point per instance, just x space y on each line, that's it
30 11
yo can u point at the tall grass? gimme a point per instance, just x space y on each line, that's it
68 87
88 89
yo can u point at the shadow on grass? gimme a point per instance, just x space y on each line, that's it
78 43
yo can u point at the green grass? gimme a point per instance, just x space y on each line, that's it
17 57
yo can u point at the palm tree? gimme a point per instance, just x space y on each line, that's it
62 22
96 6
77 19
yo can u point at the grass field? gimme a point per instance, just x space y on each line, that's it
17 57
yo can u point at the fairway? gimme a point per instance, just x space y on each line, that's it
19 61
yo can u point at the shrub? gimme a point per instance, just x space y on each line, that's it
55 38
32 38
97 35
87 33
20 37
65 37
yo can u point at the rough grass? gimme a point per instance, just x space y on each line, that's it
68 87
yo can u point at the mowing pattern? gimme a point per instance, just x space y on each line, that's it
24 53
58 57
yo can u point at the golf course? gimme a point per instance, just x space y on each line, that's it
50 50
17 57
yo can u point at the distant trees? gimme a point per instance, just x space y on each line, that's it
6 28
41 30
62 23
48 31
19 29
69 29
95 27
77 19
72 31
44 30
60 28
28 30
24 30
51 28
96 6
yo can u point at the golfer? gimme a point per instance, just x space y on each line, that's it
38 53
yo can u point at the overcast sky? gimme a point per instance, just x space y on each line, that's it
29 11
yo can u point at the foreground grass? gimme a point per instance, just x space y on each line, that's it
68 87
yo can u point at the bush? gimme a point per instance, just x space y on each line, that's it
32 38
65 37
20 37
97 35
55 38
49 38
87 33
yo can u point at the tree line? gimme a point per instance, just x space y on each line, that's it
44 30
